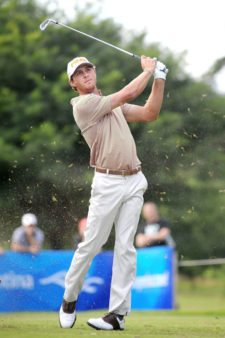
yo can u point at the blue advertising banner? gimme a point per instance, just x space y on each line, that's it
36 282
154 284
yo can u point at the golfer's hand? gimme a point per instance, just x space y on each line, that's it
148 64
160 71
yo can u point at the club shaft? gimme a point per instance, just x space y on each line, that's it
99 40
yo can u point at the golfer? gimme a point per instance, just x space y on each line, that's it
118 184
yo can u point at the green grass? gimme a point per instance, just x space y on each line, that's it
189 324
200 313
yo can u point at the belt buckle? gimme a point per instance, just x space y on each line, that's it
123 172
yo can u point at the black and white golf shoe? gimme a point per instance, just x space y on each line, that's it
110 321
67 315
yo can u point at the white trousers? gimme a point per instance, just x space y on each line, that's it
119 200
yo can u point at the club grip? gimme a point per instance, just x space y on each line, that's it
136 56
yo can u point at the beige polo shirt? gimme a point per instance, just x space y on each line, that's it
106 132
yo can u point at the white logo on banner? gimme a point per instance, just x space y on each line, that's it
59 277
151 281
88 286
10 280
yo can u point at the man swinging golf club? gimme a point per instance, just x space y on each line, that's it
118 184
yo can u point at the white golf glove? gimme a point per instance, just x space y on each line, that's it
160 71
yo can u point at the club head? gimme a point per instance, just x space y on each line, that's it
45 24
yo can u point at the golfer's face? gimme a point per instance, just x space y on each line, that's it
84 79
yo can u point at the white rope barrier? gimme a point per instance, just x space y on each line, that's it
201 262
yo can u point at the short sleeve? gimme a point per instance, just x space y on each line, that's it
88 109
140 229
17 236
126 107
40 236
164 223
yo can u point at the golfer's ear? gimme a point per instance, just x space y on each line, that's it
71 82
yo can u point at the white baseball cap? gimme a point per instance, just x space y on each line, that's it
75 63
29 219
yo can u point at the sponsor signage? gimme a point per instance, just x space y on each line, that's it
36 282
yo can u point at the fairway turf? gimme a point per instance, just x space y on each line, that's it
176 324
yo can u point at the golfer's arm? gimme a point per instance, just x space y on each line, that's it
131 91
150 111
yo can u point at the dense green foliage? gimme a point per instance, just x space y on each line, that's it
44 160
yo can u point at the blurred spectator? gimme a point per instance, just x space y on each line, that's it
81 226
28 237
1 251
155 230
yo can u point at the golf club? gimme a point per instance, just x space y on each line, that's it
46 22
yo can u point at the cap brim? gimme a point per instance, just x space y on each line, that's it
26 225
81 65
